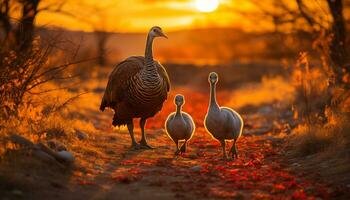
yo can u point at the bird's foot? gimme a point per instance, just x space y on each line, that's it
183 148
143 145
233 153
135 146
225 158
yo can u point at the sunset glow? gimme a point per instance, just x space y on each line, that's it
139 15
207 5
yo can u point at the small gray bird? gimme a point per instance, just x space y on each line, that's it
179 125
222 123
137 88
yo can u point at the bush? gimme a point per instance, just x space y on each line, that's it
21 73
30 104
322 110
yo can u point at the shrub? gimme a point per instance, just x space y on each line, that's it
322 109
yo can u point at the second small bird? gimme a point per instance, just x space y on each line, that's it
179 125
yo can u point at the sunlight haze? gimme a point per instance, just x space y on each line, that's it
139 15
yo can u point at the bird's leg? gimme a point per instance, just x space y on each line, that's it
143 141
134 144
183 147
223 145
234 150
177 147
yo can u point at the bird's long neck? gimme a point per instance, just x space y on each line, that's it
148 51
212 102
178 111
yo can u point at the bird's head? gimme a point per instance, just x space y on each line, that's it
156 31
213 77
179 100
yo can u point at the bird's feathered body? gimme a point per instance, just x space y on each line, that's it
137 88
179 127
222 123
136 91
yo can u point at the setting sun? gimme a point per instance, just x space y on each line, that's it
207 5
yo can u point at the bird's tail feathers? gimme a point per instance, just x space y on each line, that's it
118 121
103 103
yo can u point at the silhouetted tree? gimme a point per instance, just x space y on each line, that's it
337 47
18 33
302 18
101 41
95 16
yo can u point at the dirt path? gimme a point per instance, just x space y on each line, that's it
119 173
106 168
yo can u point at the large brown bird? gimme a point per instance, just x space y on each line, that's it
137 88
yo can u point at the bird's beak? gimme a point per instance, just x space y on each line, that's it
163 35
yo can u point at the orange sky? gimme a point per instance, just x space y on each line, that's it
140 15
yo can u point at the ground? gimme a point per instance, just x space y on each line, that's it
106 167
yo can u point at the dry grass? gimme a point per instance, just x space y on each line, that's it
269 91
323 123
333 137
320 142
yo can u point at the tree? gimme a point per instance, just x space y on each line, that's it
95 16
101 41
313 20
337 48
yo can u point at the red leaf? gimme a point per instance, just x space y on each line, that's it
85 182
299 194
126 178
279 187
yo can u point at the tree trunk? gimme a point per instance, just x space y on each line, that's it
25 30
101 38
5 24
337 47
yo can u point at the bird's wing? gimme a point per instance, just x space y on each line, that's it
162 72
117 82
234 120
189 120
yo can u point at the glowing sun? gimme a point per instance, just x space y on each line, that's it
207 5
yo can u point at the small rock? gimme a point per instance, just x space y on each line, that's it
61 147
112 138
98 167
21 140
98 90
193 155
257 131
266 110
110 152
81 135
55 132
196 168
296 164
159 131
43 156
56 145
83 170
57 184
274 139
67 156
16 192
